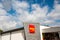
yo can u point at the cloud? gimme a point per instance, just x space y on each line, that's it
7 4
2 12
1 6
24 15
55 15
7 22
38 14
17 5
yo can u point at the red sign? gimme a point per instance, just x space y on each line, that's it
31 28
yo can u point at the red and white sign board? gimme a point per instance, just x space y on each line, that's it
32 31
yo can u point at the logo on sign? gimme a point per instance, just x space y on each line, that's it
31 28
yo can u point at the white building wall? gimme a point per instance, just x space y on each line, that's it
0 37
17 35
5 36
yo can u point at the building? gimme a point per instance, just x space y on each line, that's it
18 34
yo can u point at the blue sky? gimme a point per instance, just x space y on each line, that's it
15 12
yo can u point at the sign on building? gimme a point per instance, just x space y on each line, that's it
32 31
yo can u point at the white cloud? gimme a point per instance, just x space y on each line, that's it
56 12
55 15
2 12
6 23
18 4
6 4
24 15
38 14
49 21
1 6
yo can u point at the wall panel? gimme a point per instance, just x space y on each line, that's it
17 35
5 36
